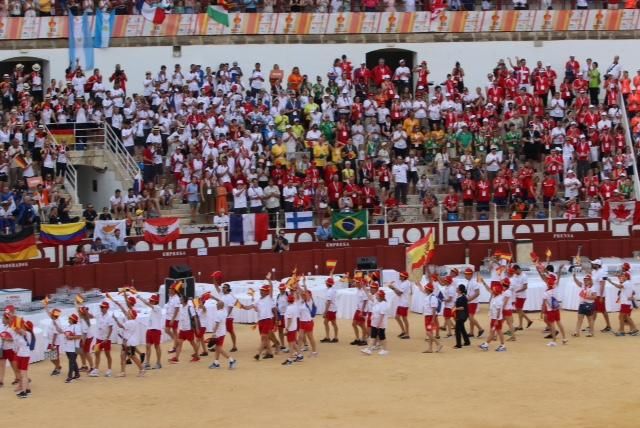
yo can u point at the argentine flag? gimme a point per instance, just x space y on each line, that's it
80 42
103 28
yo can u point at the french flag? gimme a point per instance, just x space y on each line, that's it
150 11
245 228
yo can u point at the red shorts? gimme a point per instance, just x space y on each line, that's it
265 326
307 326
520 302
600 305
358 316
171 324
625 309
200 332
86 345
292 336
402 311
185 335
553 316
507 313
368 315
153 337
8 354
472 308
22 363
448 313
429 323
219 341
496 325
331 316
103 345
229 325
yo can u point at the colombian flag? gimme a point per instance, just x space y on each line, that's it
58 234
421 252
19 246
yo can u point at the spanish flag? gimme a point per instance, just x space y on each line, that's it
57 234
331 264
421 252
503 256
19 246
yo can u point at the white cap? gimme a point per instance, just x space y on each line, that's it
596 262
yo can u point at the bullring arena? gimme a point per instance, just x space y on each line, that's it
319 214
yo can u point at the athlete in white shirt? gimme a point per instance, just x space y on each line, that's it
104 329
54 339
24 338
626 295
551 303
473 298
507 310
130 339
430 312
449 292
358 321
496 307
71 336
330 313
229 303
171 311
153 335
378 325
519 287
599 276
306 306
267 313
88 332
291 315
219 330
587 297
186 315
403 291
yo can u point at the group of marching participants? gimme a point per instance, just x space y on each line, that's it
286 320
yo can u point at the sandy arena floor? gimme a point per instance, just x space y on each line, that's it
588 383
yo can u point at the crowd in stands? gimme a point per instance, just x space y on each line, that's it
17 8
533 141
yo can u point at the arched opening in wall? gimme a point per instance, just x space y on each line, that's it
8 66
392 57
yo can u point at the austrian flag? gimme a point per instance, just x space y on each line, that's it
161 230
622 213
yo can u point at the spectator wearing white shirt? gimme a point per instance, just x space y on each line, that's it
400 173
256 195
221 220
615 69
289 193
571 185
240 198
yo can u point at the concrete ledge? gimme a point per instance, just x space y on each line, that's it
334 39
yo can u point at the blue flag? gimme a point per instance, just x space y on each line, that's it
103 28
80 42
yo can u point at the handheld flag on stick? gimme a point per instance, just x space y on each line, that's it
79 299
421 252
331 264
503 256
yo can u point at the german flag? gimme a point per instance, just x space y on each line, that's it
19 246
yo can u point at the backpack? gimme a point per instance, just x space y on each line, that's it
313 309
440 298
32 343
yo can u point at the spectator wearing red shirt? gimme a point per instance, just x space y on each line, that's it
380 71
450 204
549 189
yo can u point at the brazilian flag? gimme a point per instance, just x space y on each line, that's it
349 225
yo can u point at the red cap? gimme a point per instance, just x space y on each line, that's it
10 308
55 313
104 305
506 282
73 318
626 266
83 309
217 275
291 298
468 271
447 280
588 277
155 299
497 289
5 335
381 293
429 287
404 274
375 276
454 272
626 275
265 288
330 282
282 286
374 285
133 313
131 301
511 271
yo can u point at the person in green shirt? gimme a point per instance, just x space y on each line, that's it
464 138
297 129
512 138
281 121
594 83
317 90
328 129
311 107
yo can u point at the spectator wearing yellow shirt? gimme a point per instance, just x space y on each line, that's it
297 129
410 123
336 153
311 107
279 153
45 7
321 153
348 173
281 121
